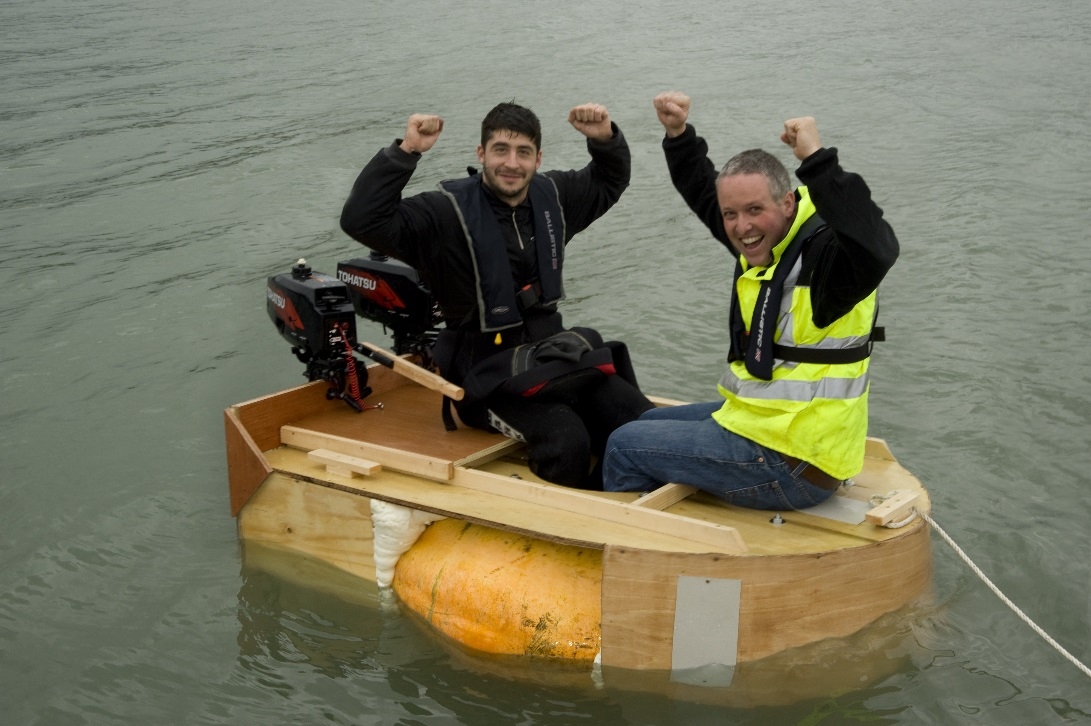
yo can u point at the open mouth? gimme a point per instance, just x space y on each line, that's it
751 243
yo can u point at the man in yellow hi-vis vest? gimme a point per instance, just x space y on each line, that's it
792 420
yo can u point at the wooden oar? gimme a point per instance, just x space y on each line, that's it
415 373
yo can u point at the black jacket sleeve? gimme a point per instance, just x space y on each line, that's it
694 176
853 260
377 216
586 194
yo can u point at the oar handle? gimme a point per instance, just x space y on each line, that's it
413 372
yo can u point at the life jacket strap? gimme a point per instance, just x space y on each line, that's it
822 356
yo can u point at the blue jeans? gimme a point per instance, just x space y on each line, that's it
684 445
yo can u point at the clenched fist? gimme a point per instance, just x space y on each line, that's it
421 133
672 108
802 135
592 120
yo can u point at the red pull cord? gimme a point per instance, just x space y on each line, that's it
350 367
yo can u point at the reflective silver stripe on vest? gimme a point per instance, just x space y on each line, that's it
787 390
786 324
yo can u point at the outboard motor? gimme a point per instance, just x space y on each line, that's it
313 312
391 293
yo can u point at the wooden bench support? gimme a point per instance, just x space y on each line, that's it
664 496
429 467
490 454
343 464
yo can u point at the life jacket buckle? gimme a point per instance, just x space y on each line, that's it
529 296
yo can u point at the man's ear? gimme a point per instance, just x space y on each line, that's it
538 162
789 205
480 154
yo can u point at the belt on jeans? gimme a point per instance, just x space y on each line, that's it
814 475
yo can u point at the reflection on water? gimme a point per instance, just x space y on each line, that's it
309 619
296 613
303 621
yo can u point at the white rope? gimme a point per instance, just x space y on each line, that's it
902 522
1003 597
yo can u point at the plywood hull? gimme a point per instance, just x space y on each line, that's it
788 584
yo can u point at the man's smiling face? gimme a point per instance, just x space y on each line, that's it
755 222
508 161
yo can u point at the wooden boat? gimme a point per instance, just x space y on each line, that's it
672 581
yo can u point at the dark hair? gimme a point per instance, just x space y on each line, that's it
756 161
511 117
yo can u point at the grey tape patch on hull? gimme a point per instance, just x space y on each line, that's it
706 630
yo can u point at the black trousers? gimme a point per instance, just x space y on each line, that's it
566 427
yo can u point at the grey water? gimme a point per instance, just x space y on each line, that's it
158 160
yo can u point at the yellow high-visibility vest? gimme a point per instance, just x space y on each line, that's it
816 412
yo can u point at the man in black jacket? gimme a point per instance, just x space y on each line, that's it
491 249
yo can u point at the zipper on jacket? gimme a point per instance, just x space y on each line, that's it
515 224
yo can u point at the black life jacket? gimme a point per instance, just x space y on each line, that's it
540 357
496 301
